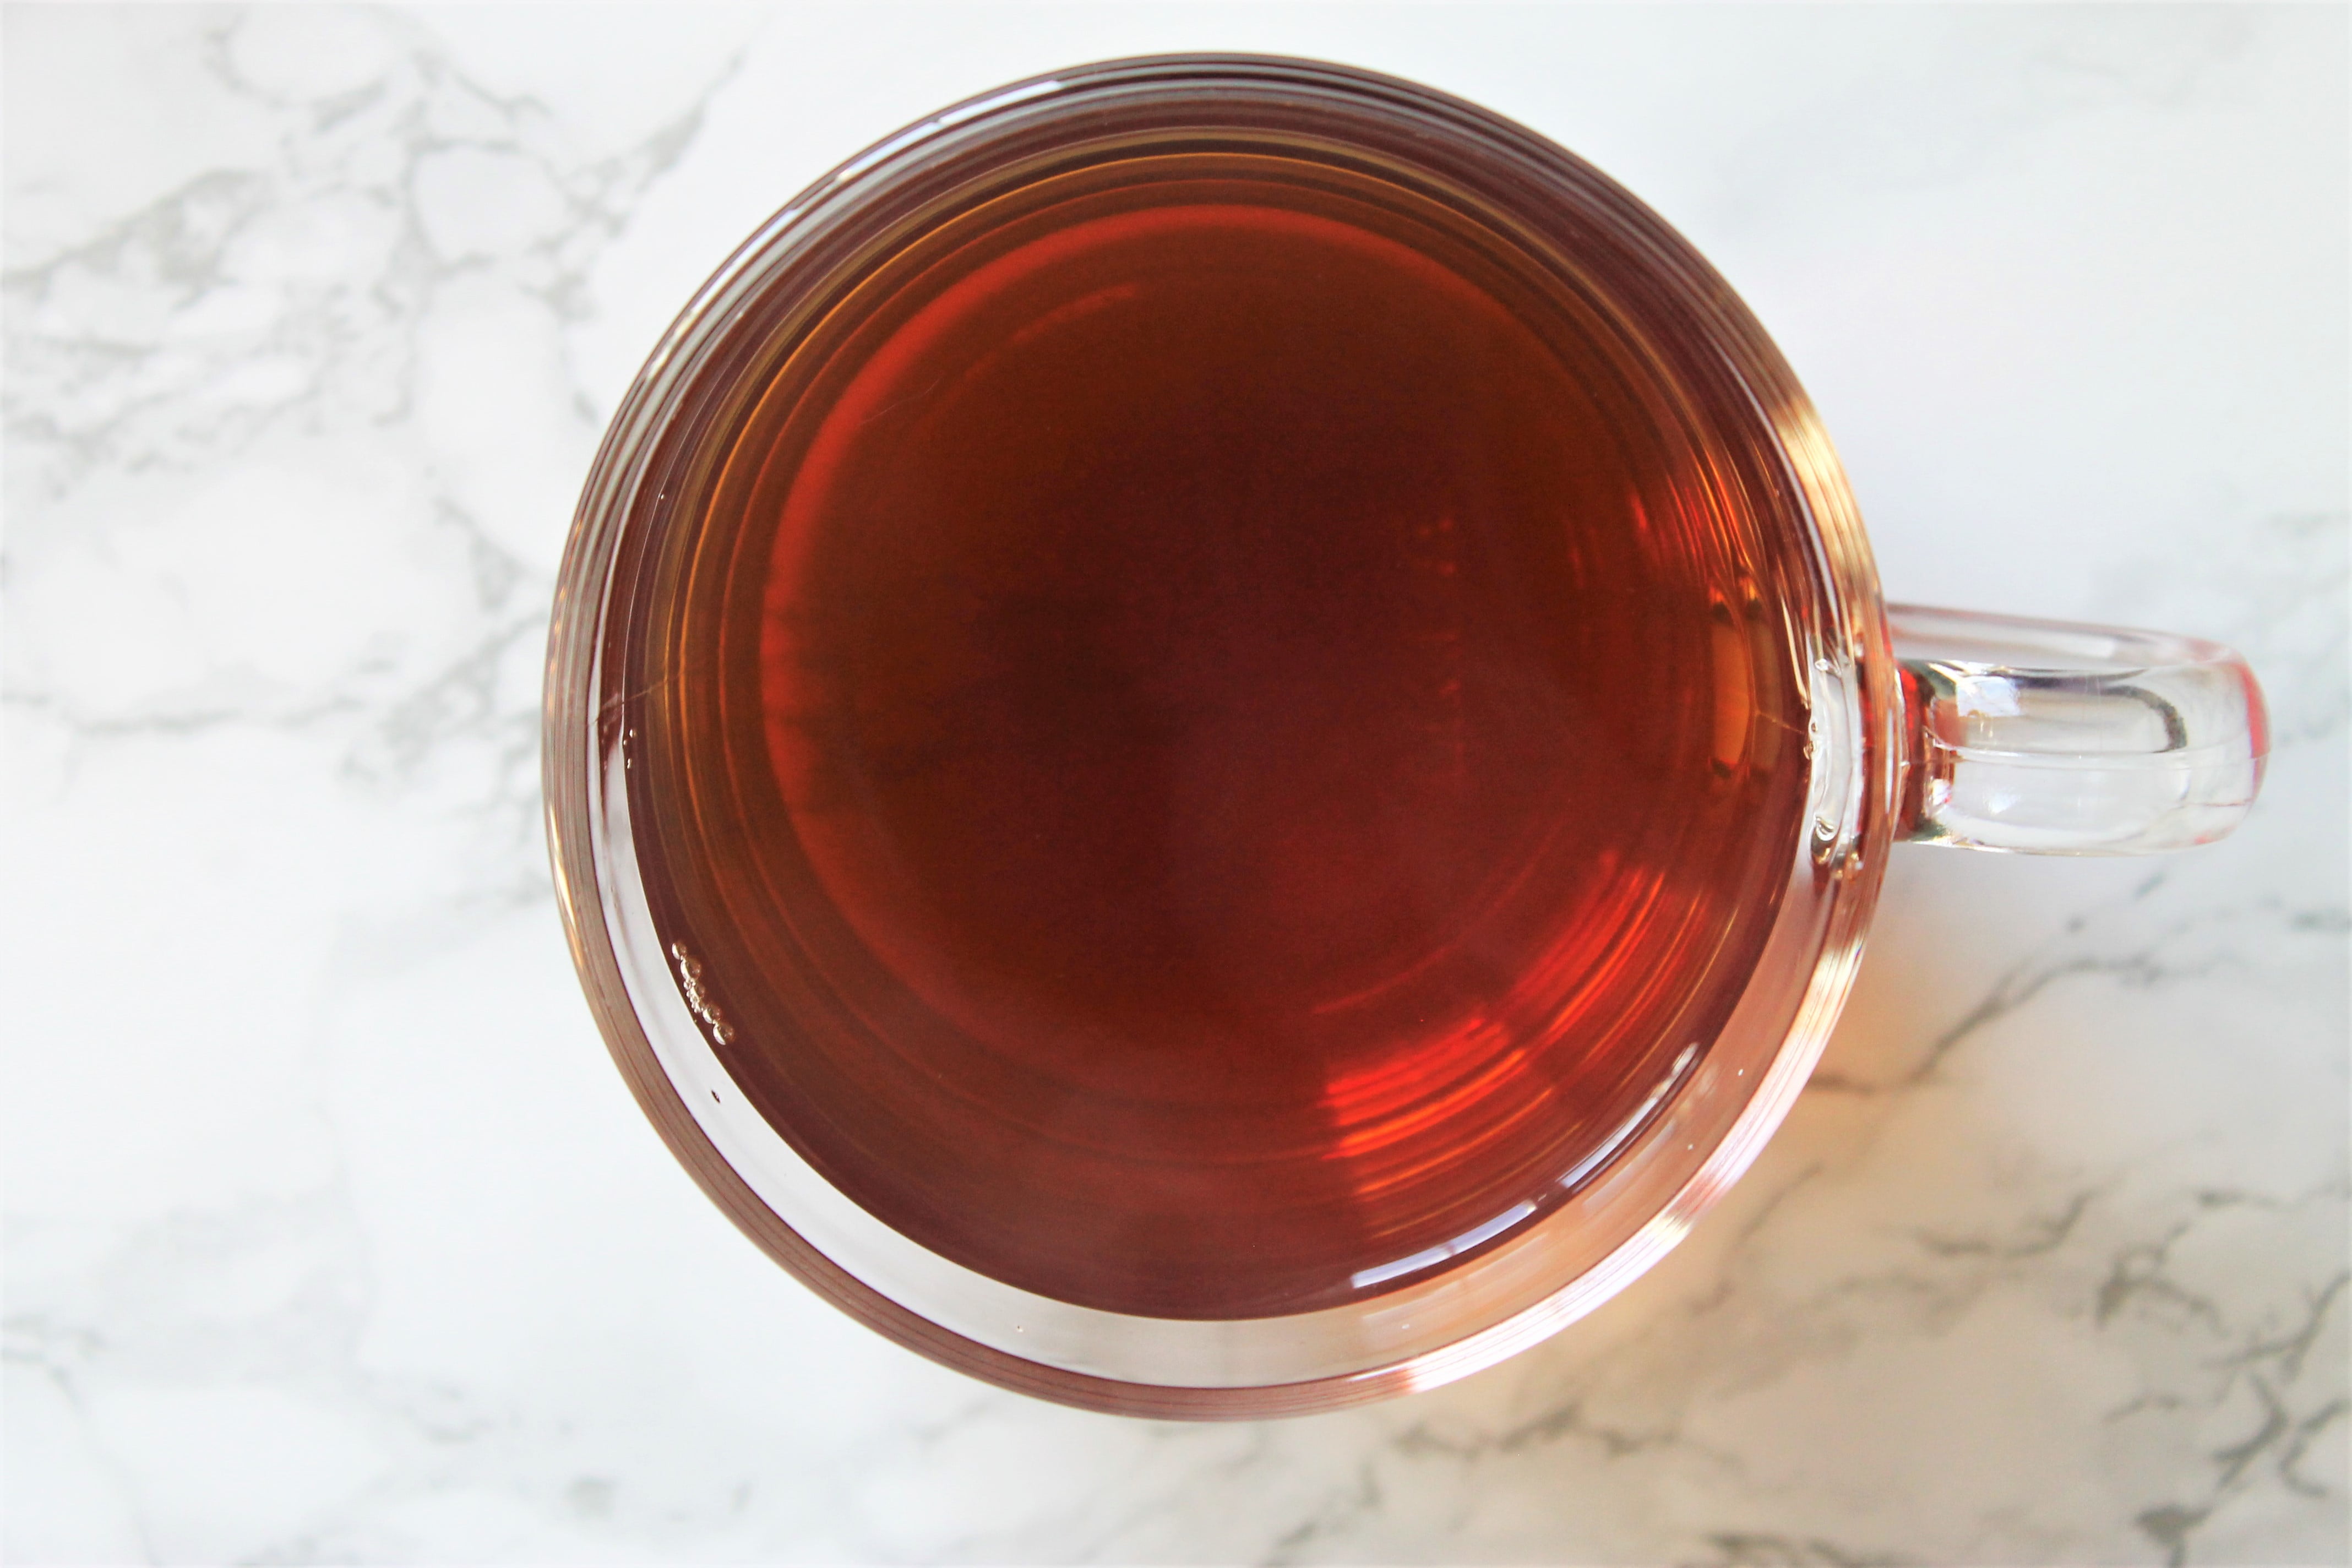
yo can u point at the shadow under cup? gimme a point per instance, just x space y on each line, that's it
1193 704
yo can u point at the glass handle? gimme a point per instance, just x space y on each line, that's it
2050 738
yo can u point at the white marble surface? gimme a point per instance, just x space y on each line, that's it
331 1235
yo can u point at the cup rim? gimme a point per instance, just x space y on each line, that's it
660 1045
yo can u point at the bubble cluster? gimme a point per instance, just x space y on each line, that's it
697 1001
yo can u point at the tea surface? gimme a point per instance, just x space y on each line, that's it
1210 752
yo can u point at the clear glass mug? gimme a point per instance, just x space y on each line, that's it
1922 726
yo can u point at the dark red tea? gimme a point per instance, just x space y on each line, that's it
1211 739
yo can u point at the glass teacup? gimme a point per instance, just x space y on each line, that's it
1220 733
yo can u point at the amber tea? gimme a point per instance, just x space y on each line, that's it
1210 748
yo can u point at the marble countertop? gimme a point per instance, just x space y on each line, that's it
331 1235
